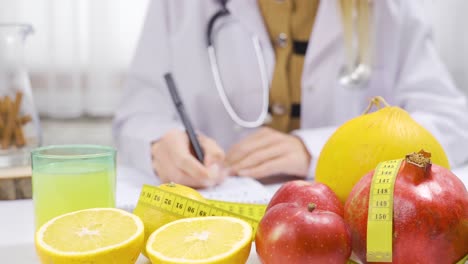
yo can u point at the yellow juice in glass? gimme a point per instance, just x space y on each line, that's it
64 186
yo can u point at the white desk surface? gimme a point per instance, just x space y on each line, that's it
17 218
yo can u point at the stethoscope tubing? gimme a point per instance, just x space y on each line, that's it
354 78
260 120
222 93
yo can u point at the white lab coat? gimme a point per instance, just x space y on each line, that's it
406 72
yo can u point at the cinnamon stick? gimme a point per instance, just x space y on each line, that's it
12 112
23 120
19 136
8 114
2 122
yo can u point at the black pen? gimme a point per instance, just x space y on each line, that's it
185 120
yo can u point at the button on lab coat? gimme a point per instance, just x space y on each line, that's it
406 71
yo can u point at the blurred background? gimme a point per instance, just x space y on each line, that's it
81 50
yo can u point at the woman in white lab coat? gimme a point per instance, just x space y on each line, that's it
406 71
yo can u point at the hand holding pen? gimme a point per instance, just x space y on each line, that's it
185 157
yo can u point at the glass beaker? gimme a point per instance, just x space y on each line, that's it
20 130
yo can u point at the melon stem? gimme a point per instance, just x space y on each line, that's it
376 101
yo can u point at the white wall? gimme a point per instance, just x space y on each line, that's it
84 48
450 23
80 51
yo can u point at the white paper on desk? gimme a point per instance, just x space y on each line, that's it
240 190
233 189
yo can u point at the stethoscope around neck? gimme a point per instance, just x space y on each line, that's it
219 82
353 76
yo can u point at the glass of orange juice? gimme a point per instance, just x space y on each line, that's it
67 178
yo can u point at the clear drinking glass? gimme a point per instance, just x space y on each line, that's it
19 122
67 178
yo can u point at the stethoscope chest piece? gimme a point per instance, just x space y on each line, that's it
357 79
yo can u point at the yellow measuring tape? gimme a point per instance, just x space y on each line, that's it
463 260
380 217
154 198
379 227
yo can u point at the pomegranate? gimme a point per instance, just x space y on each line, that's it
430 213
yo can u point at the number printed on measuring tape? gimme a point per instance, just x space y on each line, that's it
380 218
155 199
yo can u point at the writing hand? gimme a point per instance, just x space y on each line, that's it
268 152
173 160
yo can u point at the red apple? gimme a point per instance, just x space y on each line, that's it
292 233
303 193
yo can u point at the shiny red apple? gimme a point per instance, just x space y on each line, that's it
303 193
293 233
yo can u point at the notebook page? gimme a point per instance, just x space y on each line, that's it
233 189
240 190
